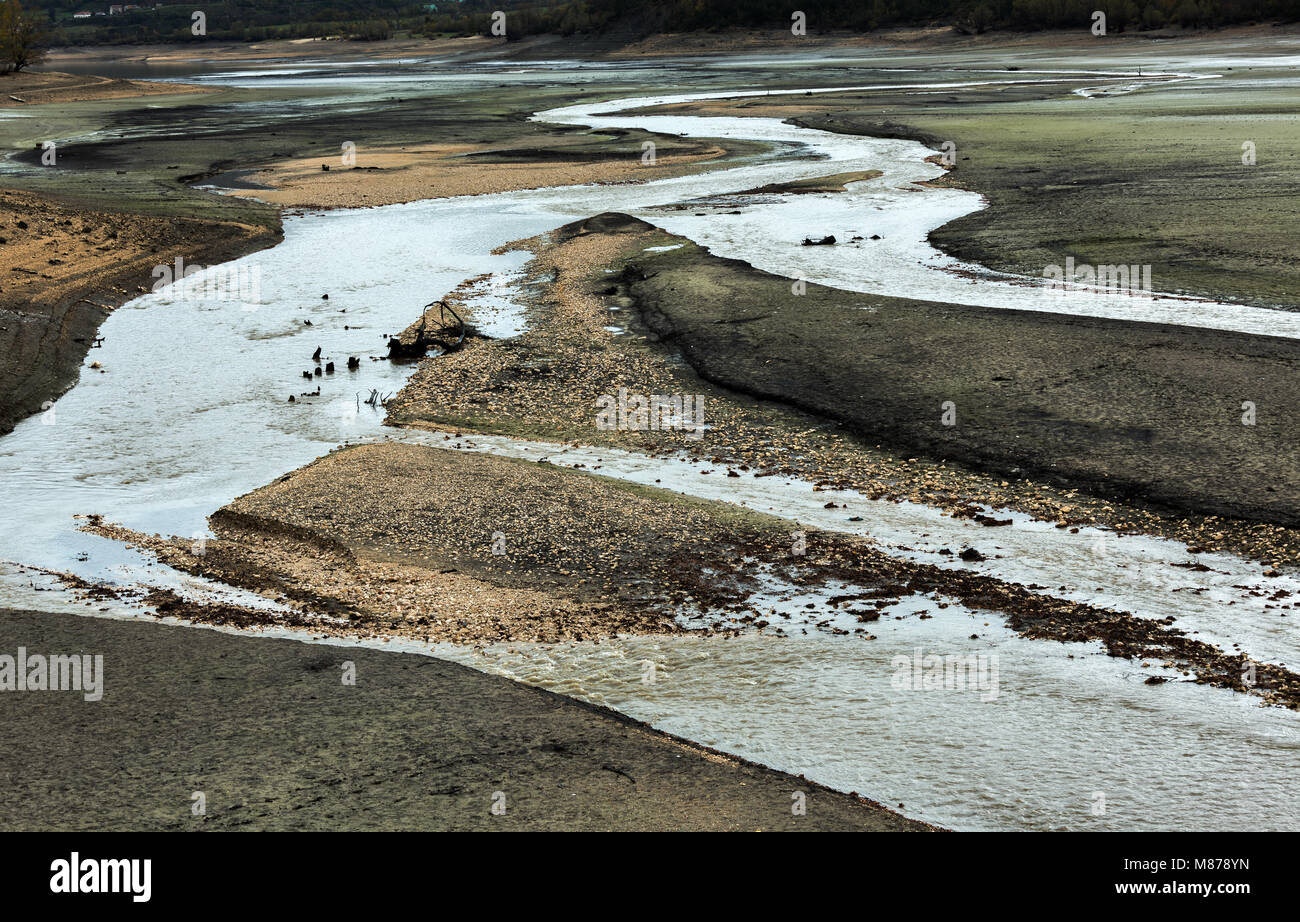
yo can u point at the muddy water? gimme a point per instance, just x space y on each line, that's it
190 409
1068 743
1066 737
1229 605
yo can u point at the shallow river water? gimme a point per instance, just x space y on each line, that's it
160 436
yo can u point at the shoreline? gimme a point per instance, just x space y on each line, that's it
259 737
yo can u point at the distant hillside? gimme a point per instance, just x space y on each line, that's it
229 20
529 17
260 20
646 17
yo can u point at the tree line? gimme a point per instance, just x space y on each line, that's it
230 20
23 38
261 20
646 17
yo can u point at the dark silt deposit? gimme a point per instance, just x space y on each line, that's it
1136 411
273 738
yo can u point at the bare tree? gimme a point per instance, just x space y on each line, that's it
22 37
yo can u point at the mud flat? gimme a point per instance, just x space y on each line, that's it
274 740
617 304
401 541
1148 175
391 175
1131 411
35 88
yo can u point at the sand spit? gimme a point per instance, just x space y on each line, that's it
329 587
35 88
388 175
393 540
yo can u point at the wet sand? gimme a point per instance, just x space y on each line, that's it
269 733
389 176
45 86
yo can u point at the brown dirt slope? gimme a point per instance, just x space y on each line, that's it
63 267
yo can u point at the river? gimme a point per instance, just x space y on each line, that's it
158 437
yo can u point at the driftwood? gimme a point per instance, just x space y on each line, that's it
425 339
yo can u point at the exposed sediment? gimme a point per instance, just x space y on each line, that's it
66 267
390 175
847 391
440 545
274 739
